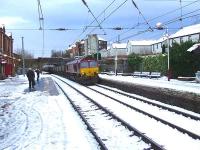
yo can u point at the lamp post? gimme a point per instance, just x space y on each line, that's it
116 60
116 54
23 63
160 26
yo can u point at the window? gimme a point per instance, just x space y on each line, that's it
181 39
84 65
93 64
189 38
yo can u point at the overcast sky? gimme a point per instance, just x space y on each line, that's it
74 15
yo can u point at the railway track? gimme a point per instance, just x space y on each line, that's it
152 103
193 135
90 111
126 106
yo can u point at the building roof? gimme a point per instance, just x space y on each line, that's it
160 40
71 46
101 39
142 42
187 31
119 45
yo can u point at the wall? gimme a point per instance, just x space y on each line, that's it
6 53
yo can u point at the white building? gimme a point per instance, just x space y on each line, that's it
104 52
117 49
158 44
143 47
185 34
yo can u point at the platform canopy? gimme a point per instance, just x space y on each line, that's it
195 49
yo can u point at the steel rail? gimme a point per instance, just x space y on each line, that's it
193 135
154 104
146 139
101 144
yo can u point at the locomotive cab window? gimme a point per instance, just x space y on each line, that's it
84 65
93 64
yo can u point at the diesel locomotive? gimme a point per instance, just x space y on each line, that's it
83 70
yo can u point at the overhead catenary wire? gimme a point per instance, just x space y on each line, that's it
110 14
41 22
147 30
68 29
84 30
144 31
160 16
113 28
181 14
182 17
40 14
142 15
84 2
103 12
165 23
121 4
168 0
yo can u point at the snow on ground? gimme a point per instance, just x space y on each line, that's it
170 138
42 119
189 86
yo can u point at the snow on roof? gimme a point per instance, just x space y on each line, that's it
160 40
119 45
187 31
2 25
194 47
71 46
9 34
142 42
101 39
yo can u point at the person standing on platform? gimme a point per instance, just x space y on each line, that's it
31 78
38 74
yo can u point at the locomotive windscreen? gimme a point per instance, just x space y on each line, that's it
93 64
84 64
88 64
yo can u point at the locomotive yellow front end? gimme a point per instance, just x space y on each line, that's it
89 70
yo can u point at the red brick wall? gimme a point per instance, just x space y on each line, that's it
6 45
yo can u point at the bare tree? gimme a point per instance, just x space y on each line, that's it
57 53
27 55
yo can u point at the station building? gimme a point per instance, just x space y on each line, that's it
8 61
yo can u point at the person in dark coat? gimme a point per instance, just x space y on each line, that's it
38 74
31 78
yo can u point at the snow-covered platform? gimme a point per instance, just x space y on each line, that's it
41 119
46 84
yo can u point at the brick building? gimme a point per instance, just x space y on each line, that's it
77 49
94 44
7 59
